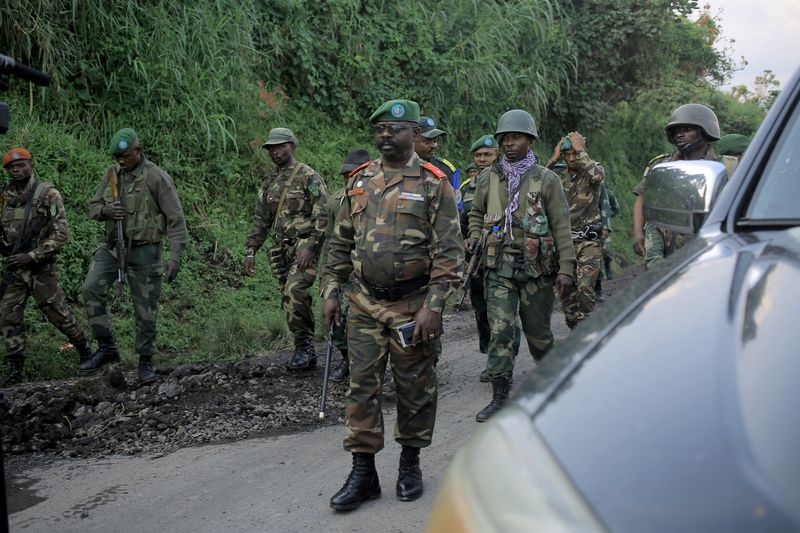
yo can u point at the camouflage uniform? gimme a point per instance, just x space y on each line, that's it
518 282
397 238
40 278
660 243
153 210
582 190
299 226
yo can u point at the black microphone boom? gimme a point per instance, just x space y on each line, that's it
10 67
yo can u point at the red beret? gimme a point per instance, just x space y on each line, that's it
15 154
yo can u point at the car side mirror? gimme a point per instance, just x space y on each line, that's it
679 194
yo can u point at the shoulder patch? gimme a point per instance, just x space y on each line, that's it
656 158
430 167
448 163
358 169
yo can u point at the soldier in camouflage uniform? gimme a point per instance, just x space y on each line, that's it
354 159
581 178
149 207
691 129
33 230
292 209
609 207
397 239
522 208
471 171
426 147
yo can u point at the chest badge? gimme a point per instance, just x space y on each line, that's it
412 196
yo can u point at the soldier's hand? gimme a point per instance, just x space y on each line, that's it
564 285
429 323
172 270
638 244
604 235
305 259
556 152
19 261
470 244
250 265
578 141
332 311
114 211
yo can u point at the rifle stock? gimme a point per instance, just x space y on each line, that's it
474 261
120 245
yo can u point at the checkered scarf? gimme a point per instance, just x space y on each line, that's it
514 171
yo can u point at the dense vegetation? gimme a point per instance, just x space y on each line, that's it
202 84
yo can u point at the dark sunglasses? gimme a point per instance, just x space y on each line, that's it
393 129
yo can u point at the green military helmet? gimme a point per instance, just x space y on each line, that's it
516 121
695 115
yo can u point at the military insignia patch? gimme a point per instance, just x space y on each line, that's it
412 196
360 183
14 155
53 210
123 144
487 141
260 194
398 111
430 122
313 188
358 191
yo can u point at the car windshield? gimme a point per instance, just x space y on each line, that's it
775 198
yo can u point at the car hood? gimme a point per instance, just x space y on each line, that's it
677 406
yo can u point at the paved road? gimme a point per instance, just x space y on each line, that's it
279 484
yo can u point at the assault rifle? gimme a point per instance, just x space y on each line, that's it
122 253
24 238
474 261
327 374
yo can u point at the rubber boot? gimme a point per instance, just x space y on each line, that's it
106 353
15 370
342 370
147 373
362 484
409 475
500 389
304 358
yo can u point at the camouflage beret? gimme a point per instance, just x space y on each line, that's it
122 140
16 154
280 136
397 111
732 144
428 129
487 141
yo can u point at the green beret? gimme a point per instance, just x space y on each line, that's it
280 136
732 144
122 140
428 129
396 111
487 141
471 166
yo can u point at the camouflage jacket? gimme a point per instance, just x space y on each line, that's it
152 205
555 208
50 210
394 229
334 202
607 210
304 214
582 190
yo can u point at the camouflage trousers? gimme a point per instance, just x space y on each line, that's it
510 292
372 341
145 276
659 243
579 303
42 283
340 330
296 291
477 296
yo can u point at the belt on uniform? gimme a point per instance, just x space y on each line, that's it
142 243
396 292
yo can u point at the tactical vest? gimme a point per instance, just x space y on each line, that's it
14 217
144 220
533 238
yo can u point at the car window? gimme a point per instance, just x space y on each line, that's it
776 195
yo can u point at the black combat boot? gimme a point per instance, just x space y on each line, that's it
147 374
342 370
106 353
598 291
500 389
84 350
304 358
409 476
15 370
362 484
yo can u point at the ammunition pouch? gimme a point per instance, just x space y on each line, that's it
540 257
278 261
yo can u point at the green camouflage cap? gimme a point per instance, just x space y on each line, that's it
487 141
122 140
732 144
428 129
280 136
396 111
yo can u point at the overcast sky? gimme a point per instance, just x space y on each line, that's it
767 34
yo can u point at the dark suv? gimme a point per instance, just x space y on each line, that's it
675 408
